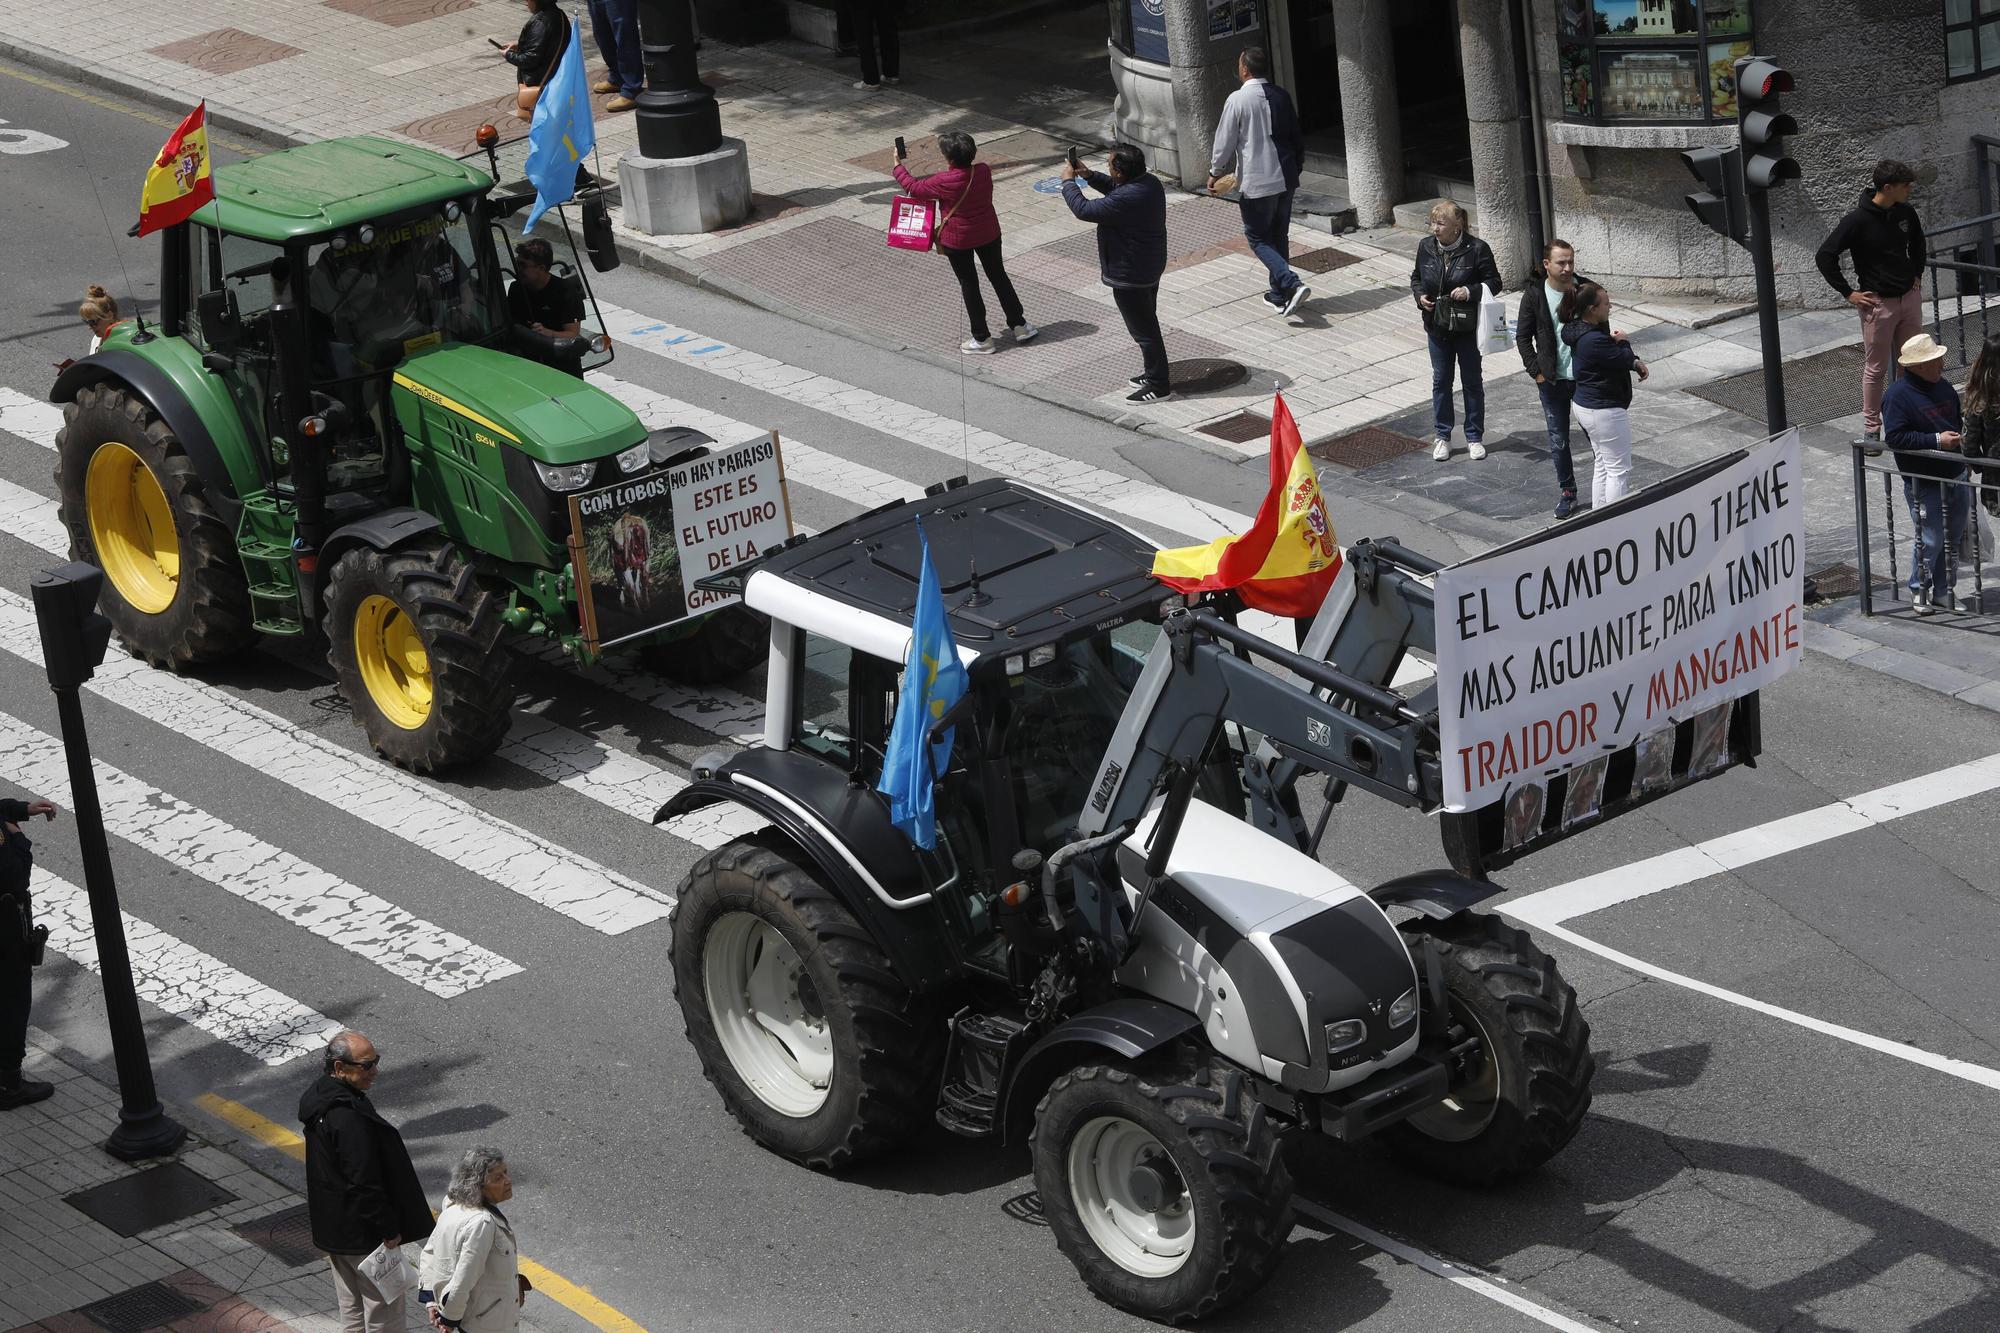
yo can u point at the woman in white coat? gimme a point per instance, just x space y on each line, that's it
470 1275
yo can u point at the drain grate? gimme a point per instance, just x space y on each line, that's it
152 1306
136 1203
1240 428
1842 580
1365 448
1206 374
287 1236
1823 387
1323 260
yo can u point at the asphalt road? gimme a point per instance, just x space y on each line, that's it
1741 1168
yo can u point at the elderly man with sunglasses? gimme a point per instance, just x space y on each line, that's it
362 1189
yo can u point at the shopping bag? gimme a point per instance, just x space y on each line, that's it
1977 543
912 223
1496 331
389 1271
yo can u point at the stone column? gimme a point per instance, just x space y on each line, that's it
1500 180
1364 44
1204 74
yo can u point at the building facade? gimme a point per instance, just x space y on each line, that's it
1568 117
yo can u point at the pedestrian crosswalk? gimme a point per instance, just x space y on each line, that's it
232 742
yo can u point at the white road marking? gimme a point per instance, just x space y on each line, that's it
1944 1064
1113 491
175 976
1453 1273
30 418
366 788
240 863
1718 856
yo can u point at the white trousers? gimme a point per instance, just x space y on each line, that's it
1610 432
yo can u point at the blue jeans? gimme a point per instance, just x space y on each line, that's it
1555 415
1267 225
1937 524
615 25
1462 348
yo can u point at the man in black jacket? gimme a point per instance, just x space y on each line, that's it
361 1187
1886 239
17 980
1131 222
1546 357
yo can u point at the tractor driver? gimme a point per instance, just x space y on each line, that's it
551 306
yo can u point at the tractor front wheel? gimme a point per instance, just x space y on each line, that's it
1523 1096
725 644
1166 1188
818 1049
415 642
135 506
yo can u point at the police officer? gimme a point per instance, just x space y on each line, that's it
20 950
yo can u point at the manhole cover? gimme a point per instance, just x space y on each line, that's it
1324 260
1206 374
1365 448
1241 428
1841 581
150 1199
152 1306
1818 388
1026 1208
287 1236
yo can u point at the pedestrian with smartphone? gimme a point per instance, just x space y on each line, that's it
1605 364
21 943
1885 237
1259 136
968 229
1131 222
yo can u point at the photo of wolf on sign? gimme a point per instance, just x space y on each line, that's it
628 568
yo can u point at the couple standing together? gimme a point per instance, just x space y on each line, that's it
1563 332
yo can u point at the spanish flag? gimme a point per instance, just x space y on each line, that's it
1288 559
179 181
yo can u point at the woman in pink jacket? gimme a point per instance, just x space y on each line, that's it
968 226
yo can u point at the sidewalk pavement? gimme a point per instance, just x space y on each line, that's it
1353 362
200 1242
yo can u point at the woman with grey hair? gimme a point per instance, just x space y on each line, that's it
469 1277
968 227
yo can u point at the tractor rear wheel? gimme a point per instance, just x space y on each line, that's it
415 643
134 505
725 644
818 1050
1166 1188
1524 1096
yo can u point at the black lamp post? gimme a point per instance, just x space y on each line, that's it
74 638
677 113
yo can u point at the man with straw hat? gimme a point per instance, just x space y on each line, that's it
1920 412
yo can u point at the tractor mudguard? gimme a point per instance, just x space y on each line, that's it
383 530
1127 1028
156 385
1435 893
842 831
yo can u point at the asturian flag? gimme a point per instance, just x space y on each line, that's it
1287 560
933 680
179 180
561 134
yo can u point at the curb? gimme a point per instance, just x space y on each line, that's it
1952 682
150 94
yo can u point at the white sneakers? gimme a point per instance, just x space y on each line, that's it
977 347
1023 332
1441 449
1921 603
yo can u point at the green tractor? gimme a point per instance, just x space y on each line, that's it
356 414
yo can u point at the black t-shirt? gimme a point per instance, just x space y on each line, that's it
557 305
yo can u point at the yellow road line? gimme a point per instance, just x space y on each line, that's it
125 109
573 1296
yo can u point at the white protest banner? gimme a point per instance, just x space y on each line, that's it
728 506
1566 648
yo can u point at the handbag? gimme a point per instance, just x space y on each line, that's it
1455 316
34 939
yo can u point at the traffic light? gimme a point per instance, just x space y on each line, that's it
1762 125
1721 205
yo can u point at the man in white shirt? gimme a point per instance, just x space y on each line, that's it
1259 134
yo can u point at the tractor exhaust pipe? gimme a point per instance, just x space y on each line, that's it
289 329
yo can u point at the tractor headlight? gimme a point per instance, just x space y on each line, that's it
1404 1009
636 458
1347 1032
565 477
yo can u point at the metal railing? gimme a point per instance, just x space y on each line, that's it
1967 254
1982 482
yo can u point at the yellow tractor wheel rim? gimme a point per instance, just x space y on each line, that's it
394 666
132 529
